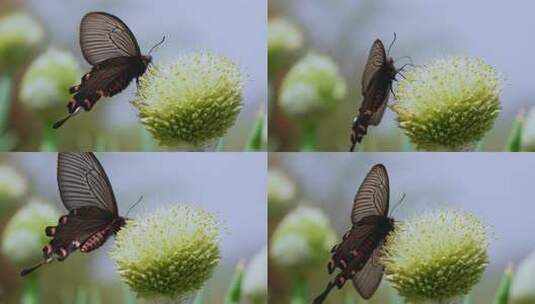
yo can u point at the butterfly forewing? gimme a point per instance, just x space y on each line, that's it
373 195
83 182
104 36
376 61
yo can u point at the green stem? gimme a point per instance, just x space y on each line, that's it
502 296
300 292
514 141
309 138
5 101
129 295
199 298
234 292
49 143
255 138
31 291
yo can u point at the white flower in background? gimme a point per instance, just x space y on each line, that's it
302 239
255 285
24 235
281 191
19 35
47 80
523 286
13 185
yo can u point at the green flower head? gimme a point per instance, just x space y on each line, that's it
303 239
13 185
169 254
284 39
19 35
47 81
523 285
255 286
24 235
312 87
437 256
191 102
281 191
449 104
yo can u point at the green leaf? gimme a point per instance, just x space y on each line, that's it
255 141
502 296
514 141
31 291
234 293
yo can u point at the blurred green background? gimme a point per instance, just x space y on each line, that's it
112 125
495 187
211 181
344 31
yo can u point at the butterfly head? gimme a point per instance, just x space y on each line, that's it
118 223
146 60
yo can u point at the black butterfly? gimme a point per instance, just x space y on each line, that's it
357 256
376 85
111 48
93 217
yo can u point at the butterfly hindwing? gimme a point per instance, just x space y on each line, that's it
369 277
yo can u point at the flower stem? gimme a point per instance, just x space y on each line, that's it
5 101
300 292
514 141
234 292
309 137
255 138
199 298
31 291
49 143
502 296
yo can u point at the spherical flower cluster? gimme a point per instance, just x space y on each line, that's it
47 80
12 184
281 191
168 254
303 239
191 102
284 39
449 104
312 87
19 35
24 235
437 256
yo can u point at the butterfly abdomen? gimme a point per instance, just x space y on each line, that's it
97 239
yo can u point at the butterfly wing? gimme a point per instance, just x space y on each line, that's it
104 36
376 61
373 195
74 229
83 182
369 277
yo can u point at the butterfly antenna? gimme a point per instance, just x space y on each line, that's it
157 45
398 203
60 122
135 204
31 269
391 44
